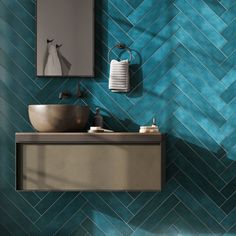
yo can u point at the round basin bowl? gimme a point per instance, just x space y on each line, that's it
58 118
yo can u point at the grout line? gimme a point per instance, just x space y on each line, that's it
19 19
26 9
17 33
181 202
199 189
13 220
126 207
154 211
21 211
80 208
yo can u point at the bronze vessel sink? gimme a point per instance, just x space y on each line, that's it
58 118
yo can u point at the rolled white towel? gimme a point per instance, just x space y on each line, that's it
119 76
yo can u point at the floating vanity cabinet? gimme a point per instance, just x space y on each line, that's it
81 161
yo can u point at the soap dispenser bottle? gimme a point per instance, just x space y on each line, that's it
98 120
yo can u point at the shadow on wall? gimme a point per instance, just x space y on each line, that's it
190 201
200 175
136 75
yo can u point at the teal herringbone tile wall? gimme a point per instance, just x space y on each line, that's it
183 73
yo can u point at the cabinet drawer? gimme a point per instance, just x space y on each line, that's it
89 167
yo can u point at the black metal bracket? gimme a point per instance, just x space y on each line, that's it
58 46
123 47
50 40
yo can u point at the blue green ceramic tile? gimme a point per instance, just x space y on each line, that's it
79 231
232 231
151 205
157 215
201 38
229 220
29 6
229 204
184 228
20 12
186 102
228 94
22 46
118 17
202 167
47 201
103 221
4 230
200 69
208 14
138 202
23 204
199 211
59 220
18 215
203 183
216 6
55 208
228 16
157 41
142 9
182 73
214 36
124 7
190 218
144 23
229 188
102 207
184 117
229 32
191 45
114 203
205 90
227 3
26 34
92 228
124 197
10 225
167 222
70 225
135 3
200 196
228 175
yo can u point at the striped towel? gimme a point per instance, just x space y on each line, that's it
119 76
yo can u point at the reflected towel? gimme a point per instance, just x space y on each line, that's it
65 64
119 76
53 65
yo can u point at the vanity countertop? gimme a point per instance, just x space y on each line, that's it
115 137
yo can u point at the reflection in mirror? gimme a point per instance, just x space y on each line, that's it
65 38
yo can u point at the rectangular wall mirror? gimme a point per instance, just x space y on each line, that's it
65 38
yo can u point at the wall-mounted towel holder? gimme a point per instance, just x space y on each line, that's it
51 40
121 46
58 46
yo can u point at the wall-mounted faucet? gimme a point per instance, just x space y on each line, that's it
78 91
68 94
64 94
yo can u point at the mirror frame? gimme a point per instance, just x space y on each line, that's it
93 49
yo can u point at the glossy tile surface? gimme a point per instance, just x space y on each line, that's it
183 73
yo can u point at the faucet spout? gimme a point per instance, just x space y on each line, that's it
64 95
